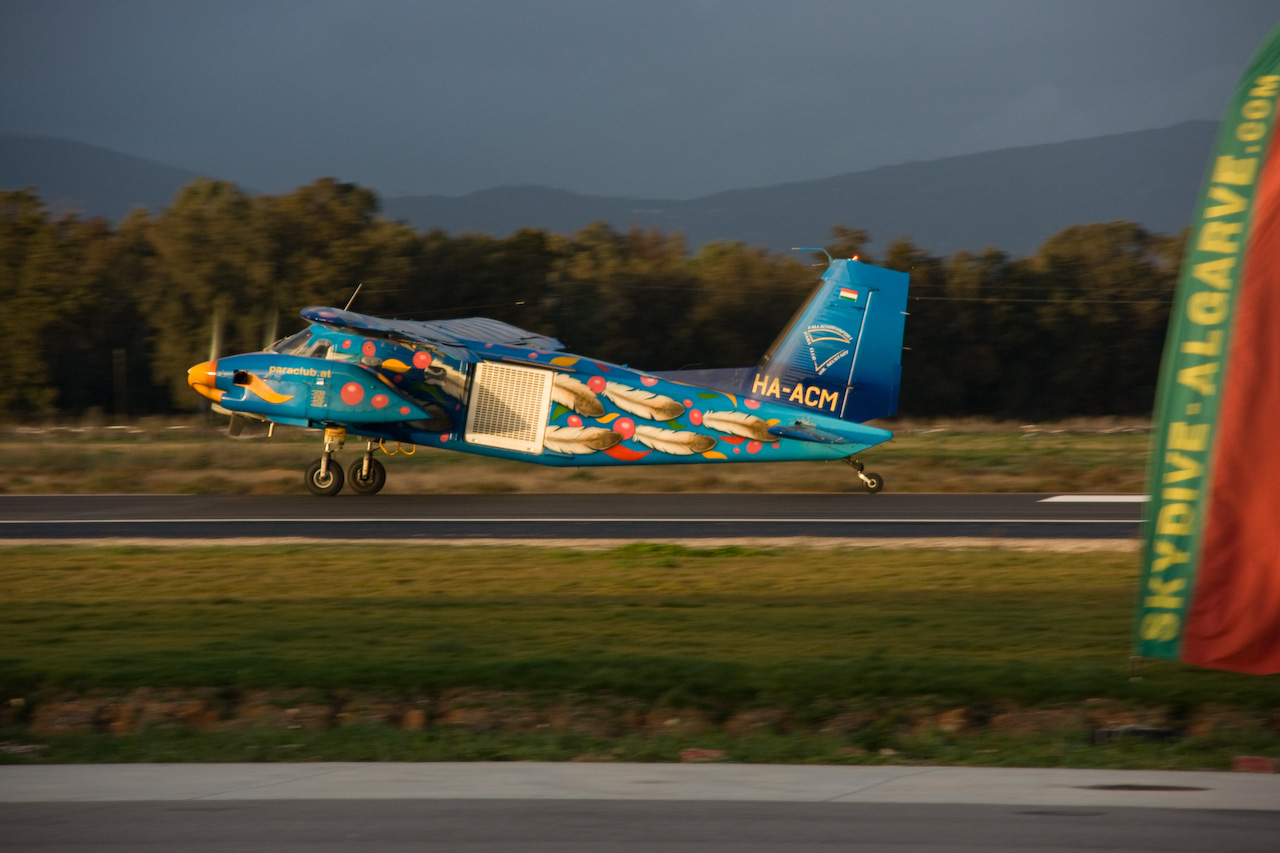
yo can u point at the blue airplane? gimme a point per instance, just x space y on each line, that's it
482 386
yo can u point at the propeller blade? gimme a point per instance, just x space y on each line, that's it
215 334
271 329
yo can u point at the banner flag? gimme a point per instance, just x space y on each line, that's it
1210 586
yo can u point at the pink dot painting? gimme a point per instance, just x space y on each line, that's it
352 393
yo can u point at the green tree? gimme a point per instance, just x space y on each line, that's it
1110 285
210 275
98 352
625 297
746 297
45 279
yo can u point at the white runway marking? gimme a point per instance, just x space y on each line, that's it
553 520
1095 499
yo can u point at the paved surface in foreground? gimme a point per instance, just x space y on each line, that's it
607 781
525 826
625 807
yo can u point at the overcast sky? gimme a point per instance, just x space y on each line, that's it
651 98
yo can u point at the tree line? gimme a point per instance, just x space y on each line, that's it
96 316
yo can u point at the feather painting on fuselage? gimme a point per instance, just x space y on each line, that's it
482 386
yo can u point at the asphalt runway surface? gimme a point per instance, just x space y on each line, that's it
579 517
529 806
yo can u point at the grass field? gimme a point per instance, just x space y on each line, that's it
924 650
195 457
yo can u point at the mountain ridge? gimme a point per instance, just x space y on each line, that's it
1010 198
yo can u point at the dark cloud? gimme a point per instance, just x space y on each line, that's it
663 98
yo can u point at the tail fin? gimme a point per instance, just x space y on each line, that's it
841 355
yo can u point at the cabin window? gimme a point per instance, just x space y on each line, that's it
337 354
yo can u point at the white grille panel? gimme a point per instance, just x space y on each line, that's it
508 406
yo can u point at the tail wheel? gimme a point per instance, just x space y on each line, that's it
327 483
370 484
873 482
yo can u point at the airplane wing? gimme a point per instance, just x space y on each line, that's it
447 333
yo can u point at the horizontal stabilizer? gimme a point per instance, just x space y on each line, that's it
808 432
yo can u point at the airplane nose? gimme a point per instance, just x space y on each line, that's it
203 378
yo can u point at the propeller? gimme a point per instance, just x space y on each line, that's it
215 351
237 420
215 332
271 328
199 375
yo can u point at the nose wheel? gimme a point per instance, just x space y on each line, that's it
324 477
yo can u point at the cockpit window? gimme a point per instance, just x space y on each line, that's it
291 344
306 344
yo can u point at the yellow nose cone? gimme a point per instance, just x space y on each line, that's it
202 377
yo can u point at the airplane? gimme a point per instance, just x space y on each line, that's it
482 386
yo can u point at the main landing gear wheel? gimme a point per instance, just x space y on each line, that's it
366 484
324 480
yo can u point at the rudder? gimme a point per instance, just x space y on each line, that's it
841 354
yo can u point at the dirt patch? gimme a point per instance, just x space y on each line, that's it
600 716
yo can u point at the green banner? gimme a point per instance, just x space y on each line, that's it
1195 367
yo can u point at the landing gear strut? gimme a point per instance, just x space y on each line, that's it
872 482
324 477
366 475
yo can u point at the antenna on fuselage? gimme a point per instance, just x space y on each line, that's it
812 249
353 296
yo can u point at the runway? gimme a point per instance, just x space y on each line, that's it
578 517
530 806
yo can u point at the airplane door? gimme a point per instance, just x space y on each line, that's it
508 406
